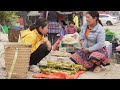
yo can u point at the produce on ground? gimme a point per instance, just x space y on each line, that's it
55 67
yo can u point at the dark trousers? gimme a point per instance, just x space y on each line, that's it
39 54
52 37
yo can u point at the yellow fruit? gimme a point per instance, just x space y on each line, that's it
54 71
49 61
46 71
66 65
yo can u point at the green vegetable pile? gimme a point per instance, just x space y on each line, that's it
108 32
54 67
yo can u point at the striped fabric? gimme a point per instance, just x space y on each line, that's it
53 27
99 57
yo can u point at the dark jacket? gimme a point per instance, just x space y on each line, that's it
53 16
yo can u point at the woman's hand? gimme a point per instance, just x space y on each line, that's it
43 40
46 41
85 50
49 46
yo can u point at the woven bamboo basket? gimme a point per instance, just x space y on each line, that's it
17 58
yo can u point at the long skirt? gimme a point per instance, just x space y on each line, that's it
89 60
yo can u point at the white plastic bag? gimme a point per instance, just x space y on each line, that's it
72 39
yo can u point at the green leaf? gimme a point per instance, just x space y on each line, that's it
7 16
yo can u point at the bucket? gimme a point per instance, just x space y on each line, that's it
15 27
13 35
109 37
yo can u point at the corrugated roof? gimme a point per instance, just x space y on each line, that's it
33 13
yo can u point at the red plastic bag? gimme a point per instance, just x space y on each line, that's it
55 46
60 75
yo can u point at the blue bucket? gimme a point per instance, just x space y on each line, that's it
15 27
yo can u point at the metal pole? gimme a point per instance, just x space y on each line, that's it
47 14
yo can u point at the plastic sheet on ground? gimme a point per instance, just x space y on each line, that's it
60 75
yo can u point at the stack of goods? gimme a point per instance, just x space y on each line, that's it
72 39
60 54
118 48
118 54
71 42
114 45
117 36
53 67
61 67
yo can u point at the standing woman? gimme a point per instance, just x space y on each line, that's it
75 19
92 37
40 45
53 28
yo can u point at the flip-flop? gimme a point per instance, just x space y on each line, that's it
97 69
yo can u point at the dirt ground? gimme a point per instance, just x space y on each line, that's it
109 72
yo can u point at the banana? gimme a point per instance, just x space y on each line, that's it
54 71
46 71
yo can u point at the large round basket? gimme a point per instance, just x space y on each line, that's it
17 58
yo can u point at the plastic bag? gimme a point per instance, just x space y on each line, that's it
60 75
72 39
55 46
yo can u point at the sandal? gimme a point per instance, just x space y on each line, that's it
97 69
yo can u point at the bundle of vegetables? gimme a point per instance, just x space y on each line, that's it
108 32
117 36
109 35
60 54
54 67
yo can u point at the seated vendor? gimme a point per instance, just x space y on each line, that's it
93 53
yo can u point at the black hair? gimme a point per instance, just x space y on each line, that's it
95 14
28 24
64 23
71 22
32 27
53 16
40 22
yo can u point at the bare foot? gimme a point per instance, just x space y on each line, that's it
97 69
